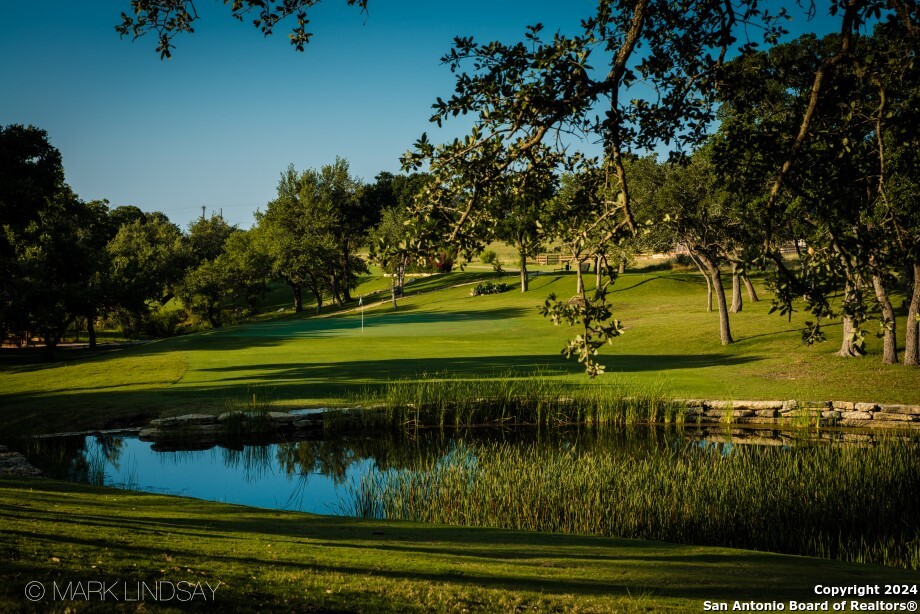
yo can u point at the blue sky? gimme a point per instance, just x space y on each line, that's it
217 124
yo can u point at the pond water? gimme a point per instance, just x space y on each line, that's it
320 475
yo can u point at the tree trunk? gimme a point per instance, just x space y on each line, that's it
889 338
91 329
848 347
580 285
708 282
597 272
621 267
298 298
912 335
725 334
346 261
315 283
752 293
393 291
736 289
213 317
336 295
401 276
319 300
51 342
525 282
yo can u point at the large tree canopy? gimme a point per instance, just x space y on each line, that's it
847 196
639 75
531 100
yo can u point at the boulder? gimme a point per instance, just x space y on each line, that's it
894 417
856 415
843 405
899 409
865 407
735 413
758 405
14 463
894 424
308 424
282 417
186 420
815 404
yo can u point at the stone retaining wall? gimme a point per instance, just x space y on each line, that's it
14 463
206 429
776 414
804 413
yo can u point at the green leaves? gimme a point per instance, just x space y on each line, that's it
168 18
594 318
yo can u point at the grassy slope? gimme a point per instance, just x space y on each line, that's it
267 560
297 360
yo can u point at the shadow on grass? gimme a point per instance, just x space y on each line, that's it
286 382
227 541
686 278
257 335
472 366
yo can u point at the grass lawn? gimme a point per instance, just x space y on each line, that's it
671 341
277 561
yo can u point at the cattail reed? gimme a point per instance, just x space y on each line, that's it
834 501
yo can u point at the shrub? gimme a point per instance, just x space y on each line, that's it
489 288
684 260
443 262
490 257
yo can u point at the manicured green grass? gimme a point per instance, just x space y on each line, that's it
278 561
670 343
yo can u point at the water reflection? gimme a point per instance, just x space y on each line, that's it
317 475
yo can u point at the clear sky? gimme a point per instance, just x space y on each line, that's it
217 123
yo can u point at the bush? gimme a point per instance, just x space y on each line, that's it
490 257
443 262
489 288
684 260
164 323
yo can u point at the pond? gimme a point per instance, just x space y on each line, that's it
803 493
314 475
320 475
